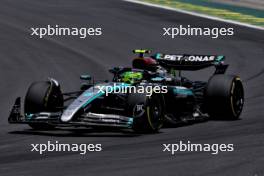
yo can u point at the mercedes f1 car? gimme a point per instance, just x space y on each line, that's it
221 97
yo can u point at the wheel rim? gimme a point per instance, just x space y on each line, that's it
155 113
237 98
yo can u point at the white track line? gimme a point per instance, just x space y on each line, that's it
196 14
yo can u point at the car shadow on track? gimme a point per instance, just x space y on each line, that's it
191 123
90 132
79 133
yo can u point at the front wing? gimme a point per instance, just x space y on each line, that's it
54 118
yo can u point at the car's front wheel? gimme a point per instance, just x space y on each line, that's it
147 111
44 96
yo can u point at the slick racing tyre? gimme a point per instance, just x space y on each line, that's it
147 111
224 97
43 96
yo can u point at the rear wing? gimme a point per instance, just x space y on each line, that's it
191 62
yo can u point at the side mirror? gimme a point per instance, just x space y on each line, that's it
85 77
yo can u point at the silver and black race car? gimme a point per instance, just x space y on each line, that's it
131 100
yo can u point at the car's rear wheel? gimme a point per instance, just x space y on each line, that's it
147 111
44 96
224 97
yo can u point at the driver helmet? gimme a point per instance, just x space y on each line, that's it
131 77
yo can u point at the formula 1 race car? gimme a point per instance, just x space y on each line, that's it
141 98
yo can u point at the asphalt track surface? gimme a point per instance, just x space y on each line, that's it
126 26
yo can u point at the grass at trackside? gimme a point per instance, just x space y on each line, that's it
229 12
